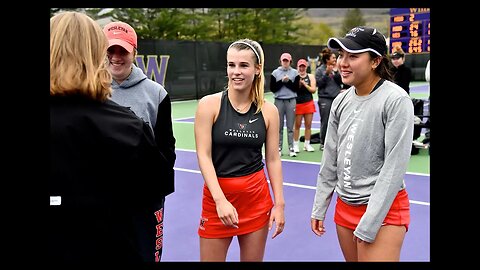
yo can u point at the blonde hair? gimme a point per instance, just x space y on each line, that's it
258 85
78 57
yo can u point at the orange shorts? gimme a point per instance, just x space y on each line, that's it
348 216
305 108
249 194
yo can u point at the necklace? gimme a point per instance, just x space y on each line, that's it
238 109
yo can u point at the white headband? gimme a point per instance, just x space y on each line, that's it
251 47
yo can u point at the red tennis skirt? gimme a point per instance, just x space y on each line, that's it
349 216
305 108
249 194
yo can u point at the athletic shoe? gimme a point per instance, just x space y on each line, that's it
418 144
308 148
295 148
292 153
321 147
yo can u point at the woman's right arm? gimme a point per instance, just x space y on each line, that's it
204 119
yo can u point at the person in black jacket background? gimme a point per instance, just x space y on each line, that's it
402 74
328 88
100 153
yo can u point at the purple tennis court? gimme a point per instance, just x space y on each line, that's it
297 242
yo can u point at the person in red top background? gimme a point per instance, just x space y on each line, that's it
306 86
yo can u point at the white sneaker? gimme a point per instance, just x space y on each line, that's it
308 148
295 148
321 147
292 153
280 151
418 144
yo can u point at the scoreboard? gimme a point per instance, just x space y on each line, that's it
410 29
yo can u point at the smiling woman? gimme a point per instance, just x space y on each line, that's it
231 128
364 162
151 102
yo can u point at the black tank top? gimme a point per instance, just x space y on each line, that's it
237 140
303 95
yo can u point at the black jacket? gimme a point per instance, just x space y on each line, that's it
403 76
163 131
101 156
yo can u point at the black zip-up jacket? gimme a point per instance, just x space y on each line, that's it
101 159
326 84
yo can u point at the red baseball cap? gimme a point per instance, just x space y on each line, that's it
302 62
286 56
122 34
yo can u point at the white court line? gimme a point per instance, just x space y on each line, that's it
183 118
419 202
292 185
185 101
186 150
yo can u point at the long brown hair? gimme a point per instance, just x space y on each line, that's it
325 55
384 68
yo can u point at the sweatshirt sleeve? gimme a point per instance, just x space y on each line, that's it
164 130
166 143
274 85
327 177
322 78
318 75
398 143
296 84
338 79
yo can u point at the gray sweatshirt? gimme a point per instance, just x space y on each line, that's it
140 94
367 150
283 90
150 101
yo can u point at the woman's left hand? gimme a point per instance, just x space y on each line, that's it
278 216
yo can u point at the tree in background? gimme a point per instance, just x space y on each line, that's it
353 17
268 25
311 33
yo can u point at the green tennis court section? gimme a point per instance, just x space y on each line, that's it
184 112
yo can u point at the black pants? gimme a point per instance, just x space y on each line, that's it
148 226
324 105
